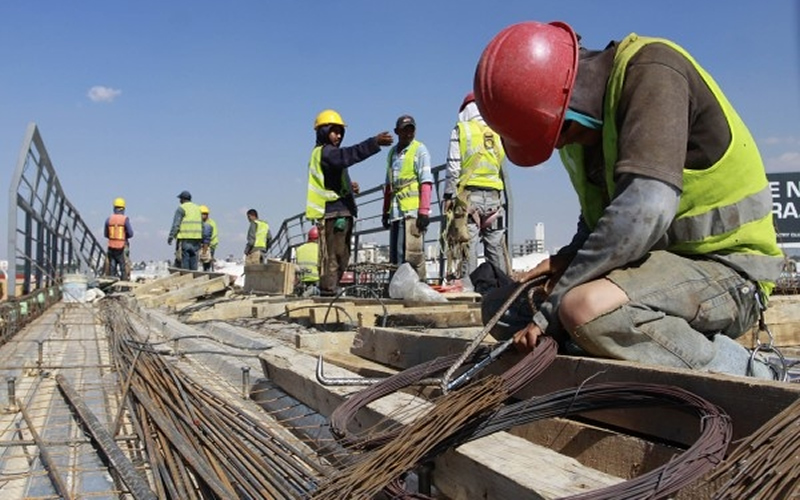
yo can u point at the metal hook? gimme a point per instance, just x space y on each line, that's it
342 381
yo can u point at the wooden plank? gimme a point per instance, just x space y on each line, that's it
273 277
435 319
783 318
347 312
405 348
273 309
160 284
750 402
358 365
222 312
199 287
324 342
495 467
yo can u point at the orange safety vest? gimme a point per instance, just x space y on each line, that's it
116 231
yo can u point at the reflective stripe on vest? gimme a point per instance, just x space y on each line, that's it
405 188
318 195
724 210
214 234
307 259
191 227
262 229
482 155
116 231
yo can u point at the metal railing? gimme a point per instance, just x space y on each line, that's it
46 234
292 232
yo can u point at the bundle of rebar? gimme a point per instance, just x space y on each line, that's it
373 471
767 464
198 446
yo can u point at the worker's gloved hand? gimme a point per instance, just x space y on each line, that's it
384 139
169 240
423 221
385 222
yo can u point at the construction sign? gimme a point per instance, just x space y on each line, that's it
785 188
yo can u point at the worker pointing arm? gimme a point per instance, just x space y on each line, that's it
330 201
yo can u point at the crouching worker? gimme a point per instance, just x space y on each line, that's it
675 252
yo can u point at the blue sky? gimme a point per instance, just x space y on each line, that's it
219 97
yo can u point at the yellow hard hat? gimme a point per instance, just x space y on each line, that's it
203 209
328 117
119 203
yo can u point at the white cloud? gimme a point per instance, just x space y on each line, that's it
99 93
780 141
786 162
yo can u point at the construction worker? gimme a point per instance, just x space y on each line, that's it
258 238
407 196
675 252
330 200
118 230
210 239
187 229
474 192
307 259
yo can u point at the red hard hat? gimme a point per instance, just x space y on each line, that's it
523 83
313 234
470 97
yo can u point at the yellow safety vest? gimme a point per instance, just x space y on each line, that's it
214 234
262 230
725 210
482 155
318 195
405 188
191 227
308 260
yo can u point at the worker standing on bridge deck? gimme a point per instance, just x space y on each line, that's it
187 229
258 238
407 196
473 193
675 247
330 201
118 230
210 239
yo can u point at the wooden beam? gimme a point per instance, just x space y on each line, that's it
345 312
783 319
197 288
274 309
498 466
324 343
405 348
223 311
160 284
273 277
750 402
435 319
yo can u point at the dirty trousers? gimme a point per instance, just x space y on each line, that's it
683 313
334 253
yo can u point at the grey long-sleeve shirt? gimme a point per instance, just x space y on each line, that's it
634 223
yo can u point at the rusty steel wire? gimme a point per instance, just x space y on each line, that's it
199 446
524 371
702 456
767 463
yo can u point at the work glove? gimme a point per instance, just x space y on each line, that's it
169 240
385 221
423 221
